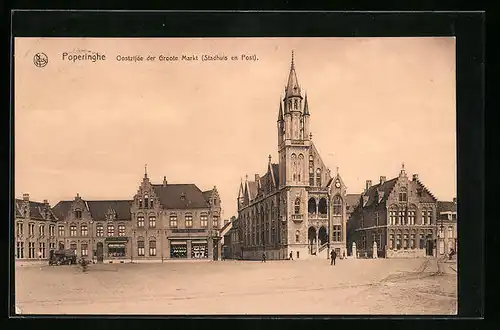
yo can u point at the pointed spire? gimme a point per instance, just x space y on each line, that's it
292 88
306 107
280 114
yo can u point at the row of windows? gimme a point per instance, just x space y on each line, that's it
403 217
42 252
31 229
141 248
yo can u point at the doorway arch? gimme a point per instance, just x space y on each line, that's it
100 252
311 238
322 235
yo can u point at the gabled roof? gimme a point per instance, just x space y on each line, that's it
385 188
180 196
352 200
429 197
443 206
97 209
62 209
36 209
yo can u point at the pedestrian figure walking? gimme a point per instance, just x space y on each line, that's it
291 255
263 257
333 256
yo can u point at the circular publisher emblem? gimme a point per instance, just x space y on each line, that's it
40 60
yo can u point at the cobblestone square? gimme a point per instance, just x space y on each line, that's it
352 286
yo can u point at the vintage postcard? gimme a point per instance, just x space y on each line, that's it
246 176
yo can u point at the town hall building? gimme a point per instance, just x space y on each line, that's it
297 207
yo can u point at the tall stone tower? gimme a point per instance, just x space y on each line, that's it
293 149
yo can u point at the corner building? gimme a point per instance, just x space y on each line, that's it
296 206
399 215
162 221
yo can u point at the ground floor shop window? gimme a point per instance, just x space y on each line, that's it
178 250
391 241
116 250
199 250
72 246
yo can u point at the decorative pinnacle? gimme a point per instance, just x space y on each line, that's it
145 170
293 64
337 170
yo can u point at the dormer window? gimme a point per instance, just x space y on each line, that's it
78 214
183 196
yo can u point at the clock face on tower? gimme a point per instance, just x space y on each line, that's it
337 184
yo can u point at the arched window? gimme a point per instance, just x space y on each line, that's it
111 230
121 230
297 206
99 229
337 205
393 213
140 202
403 194
84 230
140 221
296 104
152 221
152 247
300 167
72 230
297 236
146 200
318 177
311 207
294 166
78 214
140 246
322 207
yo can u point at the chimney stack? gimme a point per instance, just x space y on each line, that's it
415 177
164 181
368 184
45 201
382 180
26 197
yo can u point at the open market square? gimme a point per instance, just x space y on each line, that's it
423 286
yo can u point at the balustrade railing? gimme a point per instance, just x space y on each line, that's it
297 216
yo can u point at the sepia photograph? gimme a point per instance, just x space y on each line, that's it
235 176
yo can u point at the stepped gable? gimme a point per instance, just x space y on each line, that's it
385 187
433 198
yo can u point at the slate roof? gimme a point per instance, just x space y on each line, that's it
97 209
36 209
207 194
252 186
446 207
171 195
352 200
385 187
62 208
276 173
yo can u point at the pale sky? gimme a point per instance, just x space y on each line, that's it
90 128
